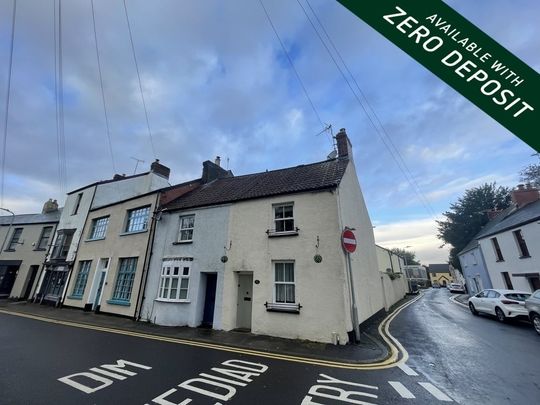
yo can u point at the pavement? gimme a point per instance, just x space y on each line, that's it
371 348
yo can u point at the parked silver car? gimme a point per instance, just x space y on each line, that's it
532 304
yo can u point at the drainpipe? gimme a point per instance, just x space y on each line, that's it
148 258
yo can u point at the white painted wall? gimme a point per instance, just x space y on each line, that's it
209 238
109 193
353 213
512 262
319 287
392 290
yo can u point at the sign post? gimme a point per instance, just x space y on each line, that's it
348 241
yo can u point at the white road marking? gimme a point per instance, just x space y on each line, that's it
407 370
401 390
437 393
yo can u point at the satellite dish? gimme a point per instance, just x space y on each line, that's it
332 155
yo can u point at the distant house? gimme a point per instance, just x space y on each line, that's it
25 241
440 273
262 252
61 257
511 244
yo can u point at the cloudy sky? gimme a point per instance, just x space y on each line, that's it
217 82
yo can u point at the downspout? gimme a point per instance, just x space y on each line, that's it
148 257
64 293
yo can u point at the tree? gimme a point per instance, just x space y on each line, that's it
531 174
408 256
468 215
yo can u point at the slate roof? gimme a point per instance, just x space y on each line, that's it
513 219
310 177
486 228
439 268
28 219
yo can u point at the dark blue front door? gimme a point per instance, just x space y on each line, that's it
209 300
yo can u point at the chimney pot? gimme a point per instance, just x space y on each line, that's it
218 161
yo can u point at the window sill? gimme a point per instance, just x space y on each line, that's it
94 239
119 302
75 297
173 301
283 307
182 242
274 234
133 233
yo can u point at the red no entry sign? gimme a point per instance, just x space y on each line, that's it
348 240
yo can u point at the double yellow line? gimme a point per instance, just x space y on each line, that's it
394 359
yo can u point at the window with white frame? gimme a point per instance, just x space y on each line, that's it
284 218
185 233
174 283
284 282
82 278
137 219
44 238
125 279
99 228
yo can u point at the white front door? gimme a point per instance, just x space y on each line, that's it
99 283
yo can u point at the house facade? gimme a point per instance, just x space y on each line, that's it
25 241
262 252
440 273
60 259
474 268
511 247
112 255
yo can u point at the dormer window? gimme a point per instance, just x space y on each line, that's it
284 218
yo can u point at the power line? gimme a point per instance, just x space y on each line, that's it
139 78
8 96
400 162
292 65
102 90
60 106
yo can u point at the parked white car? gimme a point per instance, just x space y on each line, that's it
456 287
501 303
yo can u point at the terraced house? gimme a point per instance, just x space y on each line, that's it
71 228
25 241
262 252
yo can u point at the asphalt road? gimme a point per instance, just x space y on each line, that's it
454 357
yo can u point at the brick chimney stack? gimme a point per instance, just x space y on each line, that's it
493 213
344 145
217 162
160 169
522 195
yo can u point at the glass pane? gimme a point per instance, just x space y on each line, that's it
288 225
280 226
185 271
278 212
280 272
288 211
174 283
176 270
184 283
280 293
289 272
289 292
183 294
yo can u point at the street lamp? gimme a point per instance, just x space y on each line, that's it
9 228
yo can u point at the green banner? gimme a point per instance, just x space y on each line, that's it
463 56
